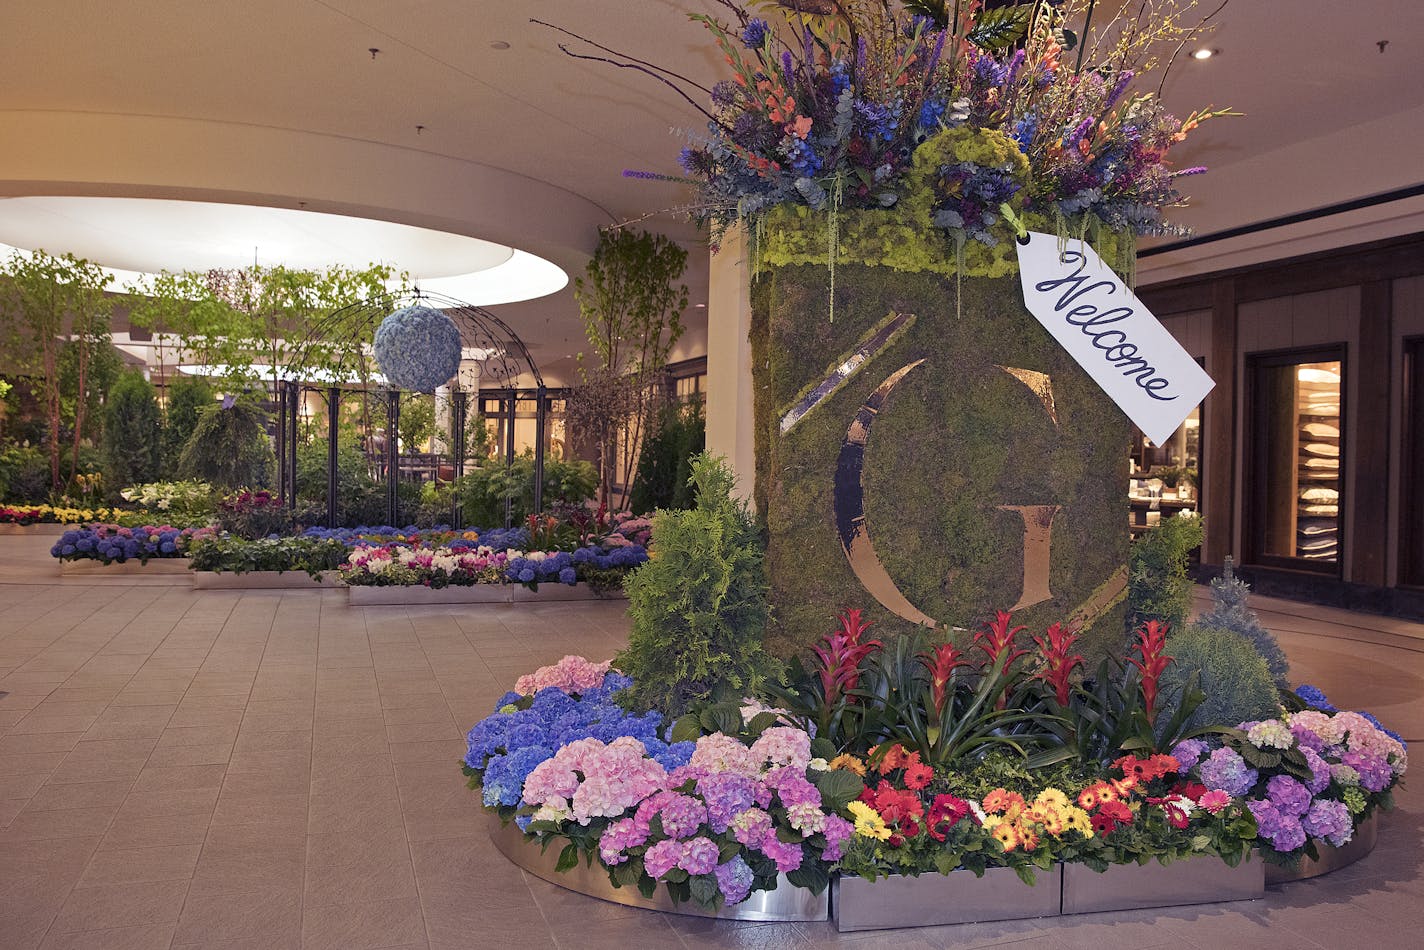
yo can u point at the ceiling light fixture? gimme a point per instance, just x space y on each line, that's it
499 44
1205 53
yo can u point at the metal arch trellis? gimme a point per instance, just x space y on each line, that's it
337 348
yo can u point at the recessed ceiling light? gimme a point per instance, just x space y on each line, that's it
499 44
1205 53
699 306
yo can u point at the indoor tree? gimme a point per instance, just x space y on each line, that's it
632 314
132 433
44 299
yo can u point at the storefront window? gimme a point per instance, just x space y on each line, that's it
1411 535
1295 485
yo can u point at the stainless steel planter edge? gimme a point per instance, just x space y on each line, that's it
786 903
1331 858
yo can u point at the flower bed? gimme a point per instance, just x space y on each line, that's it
716 805
113 544
228 554
466 564
59 514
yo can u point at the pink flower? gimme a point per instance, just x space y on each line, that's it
572 674
1214 801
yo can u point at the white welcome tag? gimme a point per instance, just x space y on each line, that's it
1112 335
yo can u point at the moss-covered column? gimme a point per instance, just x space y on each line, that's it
929 453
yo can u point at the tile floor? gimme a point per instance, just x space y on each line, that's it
244 769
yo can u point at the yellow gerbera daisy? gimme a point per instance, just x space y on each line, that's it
868 823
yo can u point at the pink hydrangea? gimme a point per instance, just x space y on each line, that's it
572 674
722 753
752 826
615 777
783 746
617 838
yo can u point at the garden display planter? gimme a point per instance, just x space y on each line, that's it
154 567
1331 858
263 580
935 899
1200 880
931 447
417 595
785 903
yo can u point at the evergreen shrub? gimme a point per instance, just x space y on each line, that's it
1158 587
1237 683
698 608
132 432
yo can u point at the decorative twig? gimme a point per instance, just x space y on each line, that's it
1083 43
643 69
632 59
1185 40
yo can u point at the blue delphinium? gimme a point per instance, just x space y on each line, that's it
755 33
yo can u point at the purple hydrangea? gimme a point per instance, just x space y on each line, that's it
1288 795
1189 752
735 879
1226 770
1319 771
699 856
1374 771
662 858
1329 820
1284 832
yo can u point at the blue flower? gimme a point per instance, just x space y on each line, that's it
755 33
526 576
567 576
1314 698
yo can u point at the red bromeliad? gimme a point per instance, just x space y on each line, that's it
1151 644
1058 662
997 637
841 653
941 663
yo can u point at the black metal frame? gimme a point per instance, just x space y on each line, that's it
509 359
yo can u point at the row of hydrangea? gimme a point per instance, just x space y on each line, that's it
371 535
1310 776
110 543
463 564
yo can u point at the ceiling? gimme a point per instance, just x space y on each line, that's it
280 102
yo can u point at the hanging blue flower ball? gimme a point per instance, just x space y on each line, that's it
418 348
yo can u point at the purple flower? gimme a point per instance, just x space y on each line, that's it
786 854
1284 832
699 856
735 879
1319 771
1289 796
1329 820
1375 773
1226 770
755 33
1189 752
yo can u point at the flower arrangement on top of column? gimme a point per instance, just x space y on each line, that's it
849 103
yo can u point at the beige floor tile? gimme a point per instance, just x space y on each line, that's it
28 763
32 825
128 832
39 742
366 926
166 802
269 914
186 755
246 863
141 865
107 906
153 937
54 796
175 777
363 883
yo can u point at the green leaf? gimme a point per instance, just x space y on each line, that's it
761 722
568 858
838 788
627 873
704 890
686 729
814 878
722 717
1002 27
822 748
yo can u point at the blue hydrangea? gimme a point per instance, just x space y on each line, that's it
567 576
755 33
1314 698
418 348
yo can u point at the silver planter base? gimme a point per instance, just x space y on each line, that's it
262 580
155 566
785 903
934 899
1200 880
1331 858
417 595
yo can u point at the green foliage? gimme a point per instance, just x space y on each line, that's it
179 503
1230 612
45 300
484 488
224 553
632 312
1158 587
187 397
1233 675
417 421
24 474
698 608
353 476
131 433
229 447
665 464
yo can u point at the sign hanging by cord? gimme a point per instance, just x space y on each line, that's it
1110 333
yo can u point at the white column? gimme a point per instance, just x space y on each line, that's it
729 359
444 438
